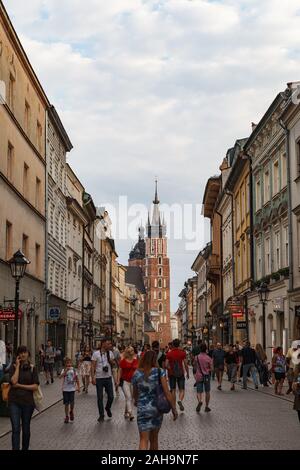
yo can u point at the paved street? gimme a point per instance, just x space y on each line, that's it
239 420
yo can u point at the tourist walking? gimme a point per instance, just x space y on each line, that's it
296 391
248 357
70 383
262 365
231 362
102 362
279 369
49 362
85 368
203 365
177 365
128 366
161 356
24 381
293 363
218 357
145 383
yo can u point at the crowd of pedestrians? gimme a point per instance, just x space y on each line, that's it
149 380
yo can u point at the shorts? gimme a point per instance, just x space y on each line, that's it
279 375
69 398
203 386
48 367
179 380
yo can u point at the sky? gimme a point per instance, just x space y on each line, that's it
162 88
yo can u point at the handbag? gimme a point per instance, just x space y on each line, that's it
5 388
204 377
162 403
37 396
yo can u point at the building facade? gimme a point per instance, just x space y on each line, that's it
22 186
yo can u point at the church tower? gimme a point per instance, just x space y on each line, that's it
151 254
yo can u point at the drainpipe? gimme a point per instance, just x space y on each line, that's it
289 194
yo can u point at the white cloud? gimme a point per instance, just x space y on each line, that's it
148 87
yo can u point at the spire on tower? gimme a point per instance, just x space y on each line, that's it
156 200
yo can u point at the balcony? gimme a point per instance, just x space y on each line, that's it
213 268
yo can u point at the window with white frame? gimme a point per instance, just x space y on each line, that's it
159 295
276 185
258 260
258 194
266 186
267 255
160 271
283 171
277 250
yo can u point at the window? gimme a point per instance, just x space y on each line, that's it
277 250
159 283
238 214
70 264
286 246
266 187
276 177
159 295
25 245
259 261
258 194
10 161
243 204
283 171
37 260
160 307
11 91
267 256
39 133
159 260
8 245
247 201
37 193
160 271
25 180
27 119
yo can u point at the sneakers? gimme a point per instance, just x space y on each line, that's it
100 419
199 407
66 419
207 409
71 416
181 407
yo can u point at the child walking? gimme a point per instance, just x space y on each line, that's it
70 380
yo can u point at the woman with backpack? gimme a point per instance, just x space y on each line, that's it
146 381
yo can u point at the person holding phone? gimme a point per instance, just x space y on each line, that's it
24 381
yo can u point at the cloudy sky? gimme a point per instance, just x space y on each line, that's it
158 87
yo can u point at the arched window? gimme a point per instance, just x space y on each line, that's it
159 260
160 308
159 295
159 283
160 271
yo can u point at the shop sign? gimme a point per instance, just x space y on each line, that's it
241 325
7 314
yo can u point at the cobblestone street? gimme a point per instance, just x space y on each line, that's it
239 420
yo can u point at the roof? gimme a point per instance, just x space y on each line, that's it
211 193
134 275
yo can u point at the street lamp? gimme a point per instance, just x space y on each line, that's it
18 264
90 308
193 334
208 318
263 293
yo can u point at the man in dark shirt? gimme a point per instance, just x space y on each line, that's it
248 356
161 357
218 357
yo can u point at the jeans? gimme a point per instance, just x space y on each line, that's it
128 392
232 371
106 384
18 413
252 368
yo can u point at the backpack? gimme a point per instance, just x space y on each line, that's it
177 369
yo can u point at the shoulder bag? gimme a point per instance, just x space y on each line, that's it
162 403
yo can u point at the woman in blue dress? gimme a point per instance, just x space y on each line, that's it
145 382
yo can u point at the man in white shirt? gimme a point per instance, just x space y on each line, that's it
102 362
